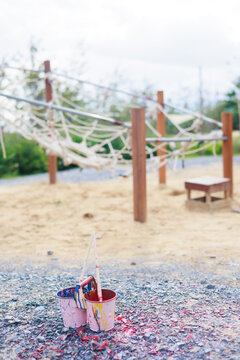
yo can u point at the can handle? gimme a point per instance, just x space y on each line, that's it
78 293
88 280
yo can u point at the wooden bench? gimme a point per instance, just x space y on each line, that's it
209 185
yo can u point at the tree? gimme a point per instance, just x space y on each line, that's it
231 103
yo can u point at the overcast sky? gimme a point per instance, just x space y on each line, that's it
155 42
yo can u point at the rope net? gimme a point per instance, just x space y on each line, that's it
90 141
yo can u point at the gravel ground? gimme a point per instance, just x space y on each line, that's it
83 175
163 311
69 176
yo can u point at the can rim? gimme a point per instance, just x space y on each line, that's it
61 297
104 301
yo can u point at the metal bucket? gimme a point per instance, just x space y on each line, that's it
100 315
72 316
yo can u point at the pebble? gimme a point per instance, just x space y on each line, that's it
39 309
41 338
210 286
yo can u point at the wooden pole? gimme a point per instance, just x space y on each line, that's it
139 164
52 159
161 128
227 149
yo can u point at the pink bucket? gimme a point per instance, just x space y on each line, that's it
72 316
100 315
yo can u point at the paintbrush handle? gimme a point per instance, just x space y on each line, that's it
99 288
86 259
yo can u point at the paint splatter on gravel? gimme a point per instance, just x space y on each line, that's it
163 311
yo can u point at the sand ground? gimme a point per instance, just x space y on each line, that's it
37 217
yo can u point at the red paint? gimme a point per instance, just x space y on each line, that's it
85 338
129 332
103 345
63 337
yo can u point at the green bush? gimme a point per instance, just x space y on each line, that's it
23 157
208 151
236 144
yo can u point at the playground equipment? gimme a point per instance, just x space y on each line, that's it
209 185
88 139
139 156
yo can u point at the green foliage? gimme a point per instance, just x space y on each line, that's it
236 144
229 104
23 157
209 150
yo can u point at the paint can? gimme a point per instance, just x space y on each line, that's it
73 317
100 315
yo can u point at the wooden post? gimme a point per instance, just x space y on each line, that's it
161 128
227 149
52 159
139 164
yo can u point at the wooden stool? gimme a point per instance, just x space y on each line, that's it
209 185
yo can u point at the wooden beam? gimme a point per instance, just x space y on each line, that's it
139 164
52 159
161 128
227 149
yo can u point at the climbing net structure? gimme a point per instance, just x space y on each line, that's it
90 139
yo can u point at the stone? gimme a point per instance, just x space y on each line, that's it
210 287
39 309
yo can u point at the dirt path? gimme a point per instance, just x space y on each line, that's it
36 218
